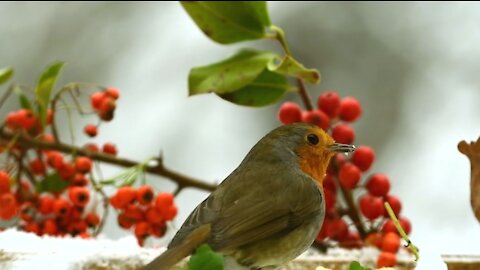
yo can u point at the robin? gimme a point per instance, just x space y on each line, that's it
269 210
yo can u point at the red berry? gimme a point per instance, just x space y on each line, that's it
8 206
343 133
49 227
134 212
90 130
395 203
389 226
390 242
79 180
61 207
330 199
352 240
289 113
171 212
126 195
37 167
92 219
79 196
337 229
142 230
329 103
112 92
406 225
45 204
4 182
350 109
386 259
55 159
349 176
145 195
378 185
12 120
96 99
158 230
83 164
49 116
124 221
163 201
374 239
107 107
77 227
329 183
32 227
66 171
110 148
316 117
370 206
91 147
153 216
26 118
363 157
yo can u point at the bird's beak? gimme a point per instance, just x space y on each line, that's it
340 147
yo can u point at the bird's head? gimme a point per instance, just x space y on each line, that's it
304 144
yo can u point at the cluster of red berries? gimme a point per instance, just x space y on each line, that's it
104 104
334 115
51 193
142 211
58 213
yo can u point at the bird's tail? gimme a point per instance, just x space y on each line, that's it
174 254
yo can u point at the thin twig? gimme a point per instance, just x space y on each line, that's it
158 169
307 101
7 94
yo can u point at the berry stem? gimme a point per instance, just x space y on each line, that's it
410 245
307 101
158 169
352 210
106 203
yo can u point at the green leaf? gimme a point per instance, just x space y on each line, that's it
5 75
205 258
23 99
356 266
229 21
230 74
289 66
44 89
51 183
266 89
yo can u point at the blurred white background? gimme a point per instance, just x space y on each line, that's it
414 66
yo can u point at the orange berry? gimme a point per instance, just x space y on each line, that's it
4 182
79 196
8 206
386 259
142 229
163 201
390 242
153 216
96 99
374 239
124 221
32 227
171 212
90 130
61 207
37 167
50 227
112 92
110 149
92 219
145 195
55 159
115 202
126 195
45 204
83 164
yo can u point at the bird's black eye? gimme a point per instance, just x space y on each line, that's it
313 139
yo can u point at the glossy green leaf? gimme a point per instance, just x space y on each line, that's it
266 89
23 99
230 74
44 89
290 67
229 21
356 266
51 183
5 75
205 258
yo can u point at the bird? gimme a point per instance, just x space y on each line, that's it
269 209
